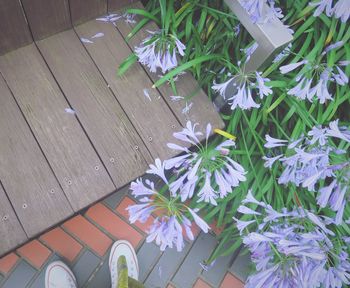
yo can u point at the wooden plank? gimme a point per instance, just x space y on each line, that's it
114 5
11 231
47 17
25 174
203 110
83 10
73 159
151 116
108 127
14 32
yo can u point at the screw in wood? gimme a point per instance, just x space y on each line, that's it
97 167
150 139
112 160
6 217
24 206
136 147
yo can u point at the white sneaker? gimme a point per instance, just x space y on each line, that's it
58 275
120 248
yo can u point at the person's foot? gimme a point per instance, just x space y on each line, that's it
58 275
121 248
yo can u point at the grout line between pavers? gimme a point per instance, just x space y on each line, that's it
124 218
183 260
152 267
37 274
85 246
94 273
87 217
13 267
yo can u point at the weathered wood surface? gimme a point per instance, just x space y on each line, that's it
109 129
14 32
54 163
151 116
114 5
11 231
203 110
63 141
83 10
25 174
47 17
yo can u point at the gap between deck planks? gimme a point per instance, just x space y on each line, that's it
11 230
74 161
69 161
152 117
109 129
26 176
203 110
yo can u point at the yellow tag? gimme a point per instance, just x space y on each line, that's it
225 134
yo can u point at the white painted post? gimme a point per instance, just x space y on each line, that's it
272 37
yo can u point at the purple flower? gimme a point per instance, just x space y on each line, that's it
316 77
341 10
294 249
270 161
290 67
213 173
241 225
166 230
250 50
207 193
274 142
335 131
254 8
158 169
325 193
261 11
261 83
309 161
242 85
199 221
318 134
160 51
321 6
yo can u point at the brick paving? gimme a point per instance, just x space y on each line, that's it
83 243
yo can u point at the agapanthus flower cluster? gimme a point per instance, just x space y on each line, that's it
261 11
292 248
205 174
314 159
168 229
341 9
316 77
160 51
208 169
239 89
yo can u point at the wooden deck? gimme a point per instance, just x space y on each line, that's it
54 163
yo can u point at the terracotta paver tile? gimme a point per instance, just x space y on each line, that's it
217 230
114 224
231 281
121 209
61 242
201 284
89 234
35 252
195 229
7 262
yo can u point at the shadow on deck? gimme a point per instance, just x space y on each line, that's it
71 130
